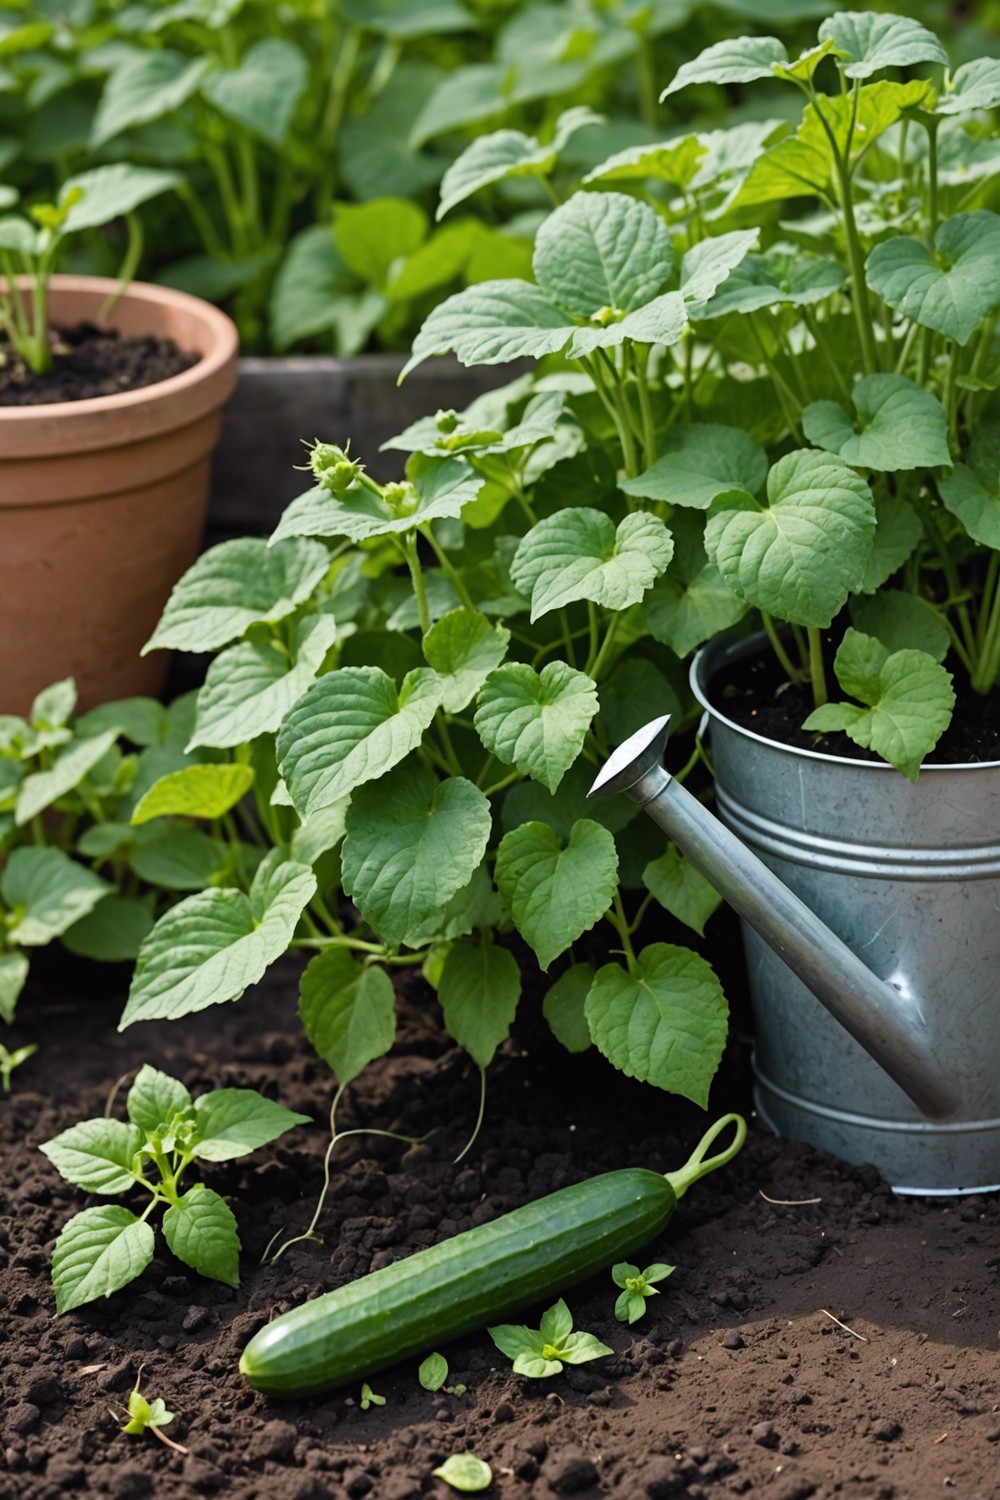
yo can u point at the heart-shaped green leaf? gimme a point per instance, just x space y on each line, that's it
412 843
899 425
348 1011
352 726
536 721
699 462
952 290
976 503
663 1022
464 647
45 892
579 554
479 990
556 892
250 688
736 60
801 554
603 250
865 42
263 93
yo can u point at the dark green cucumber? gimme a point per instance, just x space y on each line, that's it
473 1279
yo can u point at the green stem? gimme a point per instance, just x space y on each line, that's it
619 922
479 1119
822 344
933 212
698 1164
988 665
128 268
855 254
596 666
640 355
817 671
441 725
447 566
420 592
787 665
786 396
202 221
647 90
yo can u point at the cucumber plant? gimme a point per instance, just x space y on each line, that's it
542 1351
102 1249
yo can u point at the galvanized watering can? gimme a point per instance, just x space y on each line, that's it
917 1090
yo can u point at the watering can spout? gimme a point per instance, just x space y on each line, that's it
887 1024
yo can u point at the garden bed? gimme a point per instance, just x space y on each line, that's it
738 1380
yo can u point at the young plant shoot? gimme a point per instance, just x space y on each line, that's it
149 1416
636 1286
102 1249
542 1351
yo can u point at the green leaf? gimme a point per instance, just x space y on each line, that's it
201 1231
196 792
352 726
556 1324
98 1252
801 554
53 706
235 585
145 87
865 42
433 1372
627 699
909 700
314 293
491 158
96 1155
113 932
372 237
555 891
465 1472
536 721
234 1122
975 502
563 1007
176 856
412 843
13 973
441 488
348 1011
250 688
675 162
899 426
779 277
46 892
900 620
464 647
664 1022
692 603
898 530
602 250
492 323
698 463
580 1348
952 290
42 788
479 990
681 889
108 192
155 1098
735 60
263 93
144 721
975 85
579 554
209 947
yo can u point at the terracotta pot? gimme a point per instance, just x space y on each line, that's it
102 503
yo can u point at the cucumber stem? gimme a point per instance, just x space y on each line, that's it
698 1164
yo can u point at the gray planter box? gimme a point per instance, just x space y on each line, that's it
281 402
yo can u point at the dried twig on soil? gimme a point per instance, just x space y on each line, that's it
854 1334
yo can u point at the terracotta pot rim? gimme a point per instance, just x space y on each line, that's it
222 345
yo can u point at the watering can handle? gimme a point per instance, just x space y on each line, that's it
888 1025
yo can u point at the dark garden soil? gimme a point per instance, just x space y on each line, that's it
92 361
757 695
740 1380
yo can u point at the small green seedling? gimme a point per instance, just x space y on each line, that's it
465 1472
369 1398
636 1286
145 1415
11 1060
544 1351
103 1249
434 1372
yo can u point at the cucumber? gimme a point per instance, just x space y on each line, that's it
470 1280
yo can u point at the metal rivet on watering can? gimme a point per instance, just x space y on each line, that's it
886 1021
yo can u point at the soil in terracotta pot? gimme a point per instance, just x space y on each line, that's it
756 694
89 362
819 1337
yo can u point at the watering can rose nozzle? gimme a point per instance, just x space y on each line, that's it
888 1025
